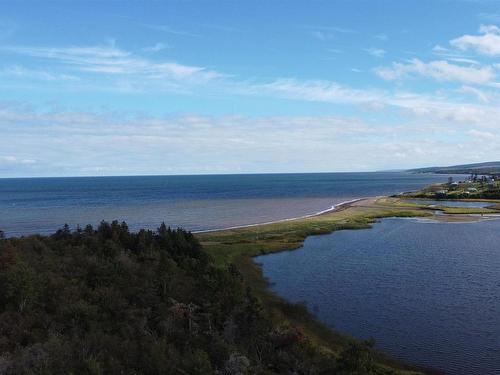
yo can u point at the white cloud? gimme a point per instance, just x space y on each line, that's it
383 37
70 142
15 160
489 29
376 52
491 17
129 69
155 48
110 60
479 94
325 33
319 90
79 142
334 50
483 136
453 55
428 107
440 49
332 29
463 60
440 70
170 30
488 43
22 72
322 35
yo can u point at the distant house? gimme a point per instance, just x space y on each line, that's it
472 190
444 191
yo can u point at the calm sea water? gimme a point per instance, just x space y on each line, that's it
429 293
42 205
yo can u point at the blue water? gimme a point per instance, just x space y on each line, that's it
43 205
428 292
452 203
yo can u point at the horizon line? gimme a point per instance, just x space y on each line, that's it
205 174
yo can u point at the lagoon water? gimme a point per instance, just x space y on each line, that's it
447 203
428 292
42 205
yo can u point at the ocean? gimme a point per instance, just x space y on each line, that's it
42 205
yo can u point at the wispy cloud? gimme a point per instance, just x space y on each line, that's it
489 17
440 70
481 95
437 108
464 60
320 90
325 33
382 37
334 50
171 30
439 49
453 55
16 160
224 28
35 74
155 48
322 35
334 29
376 52
112 61
109 62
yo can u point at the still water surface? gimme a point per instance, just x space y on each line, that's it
428 292
452 203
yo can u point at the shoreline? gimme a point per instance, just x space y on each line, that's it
334 208
238 246
347 204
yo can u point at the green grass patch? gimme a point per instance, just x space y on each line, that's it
465 210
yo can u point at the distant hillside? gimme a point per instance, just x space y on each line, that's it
492 167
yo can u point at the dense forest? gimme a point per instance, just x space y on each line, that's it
108 301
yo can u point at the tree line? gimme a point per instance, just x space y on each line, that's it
109 301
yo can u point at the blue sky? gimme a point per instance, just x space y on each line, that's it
181 87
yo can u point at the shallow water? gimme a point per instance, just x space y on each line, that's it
452 203
42 205
429 293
